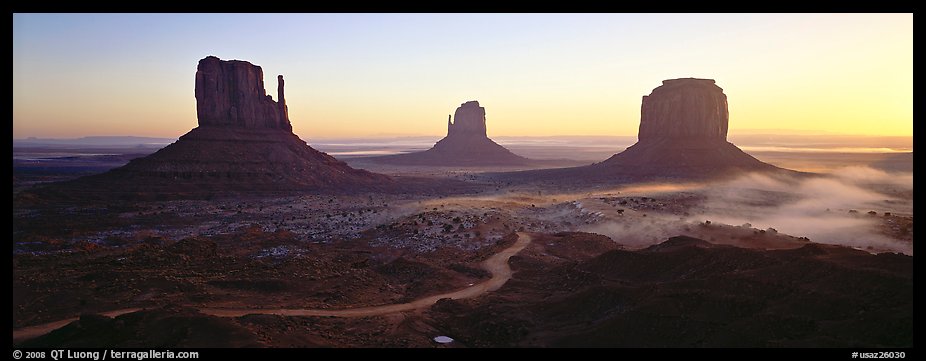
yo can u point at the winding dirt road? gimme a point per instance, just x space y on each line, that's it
497 265
26 333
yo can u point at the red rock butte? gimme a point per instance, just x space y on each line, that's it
244 144
683 132
471 121
466 144
683 135
230 93
685 108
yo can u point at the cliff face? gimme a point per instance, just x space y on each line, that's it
469 121
230 93
689 108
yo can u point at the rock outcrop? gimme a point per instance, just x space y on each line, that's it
683 135
466 144
685 108
244 143
230 93
470 121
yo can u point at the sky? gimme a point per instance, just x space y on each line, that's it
371 75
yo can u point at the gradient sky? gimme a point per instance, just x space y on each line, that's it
362 75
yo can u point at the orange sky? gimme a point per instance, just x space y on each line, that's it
362 75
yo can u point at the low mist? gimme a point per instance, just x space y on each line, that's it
832 208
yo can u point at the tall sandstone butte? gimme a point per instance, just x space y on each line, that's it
244 143
231 93
682 135
466 144
470 121
686 108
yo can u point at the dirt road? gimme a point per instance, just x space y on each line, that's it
26 333
497 265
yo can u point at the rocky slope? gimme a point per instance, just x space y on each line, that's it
244 144
683 136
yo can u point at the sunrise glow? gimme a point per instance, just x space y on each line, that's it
361 75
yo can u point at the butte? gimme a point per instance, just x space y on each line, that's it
243 144
466 144
682 136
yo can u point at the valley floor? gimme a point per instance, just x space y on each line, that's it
636 265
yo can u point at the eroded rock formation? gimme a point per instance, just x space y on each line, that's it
685 108
230 93
683 135
466 144
244 143
470 121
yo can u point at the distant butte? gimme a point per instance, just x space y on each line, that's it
682 135
244 143
466 144
683 132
